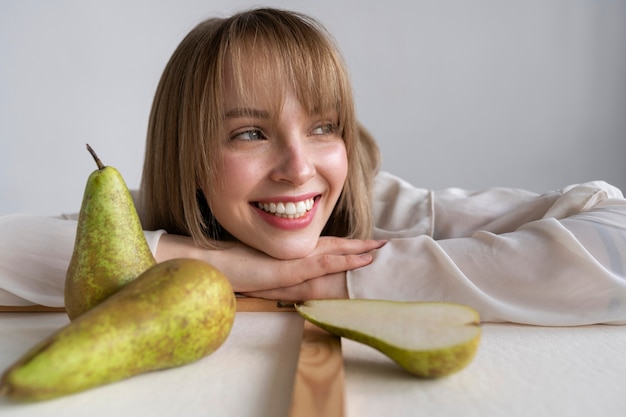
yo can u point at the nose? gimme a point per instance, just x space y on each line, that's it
294 165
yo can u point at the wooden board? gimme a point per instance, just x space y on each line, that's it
319 381
246 304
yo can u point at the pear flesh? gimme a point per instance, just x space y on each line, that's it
176 312
428 339
110 249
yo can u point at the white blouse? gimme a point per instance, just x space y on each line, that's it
551 259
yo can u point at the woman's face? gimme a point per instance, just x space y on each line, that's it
282 174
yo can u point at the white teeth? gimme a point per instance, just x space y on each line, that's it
288 210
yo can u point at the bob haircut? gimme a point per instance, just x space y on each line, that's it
280 50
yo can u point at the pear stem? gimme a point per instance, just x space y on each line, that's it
95 157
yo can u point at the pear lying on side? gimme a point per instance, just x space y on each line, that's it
175 313
428 339
110 248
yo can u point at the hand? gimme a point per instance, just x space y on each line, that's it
322 274
327 286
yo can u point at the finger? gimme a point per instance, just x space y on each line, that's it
330 286
271 273
288 274
339 245
316 266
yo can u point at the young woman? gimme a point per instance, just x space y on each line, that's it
256 163
265 127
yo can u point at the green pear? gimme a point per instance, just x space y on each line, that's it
110 248
428 339
175 313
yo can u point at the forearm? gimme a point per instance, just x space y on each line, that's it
176 246
35 252
34 255
541 274
225 259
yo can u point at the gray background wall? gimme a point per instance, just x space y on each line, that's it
528 93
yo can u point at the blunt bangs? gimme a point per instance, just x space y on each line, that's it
272 55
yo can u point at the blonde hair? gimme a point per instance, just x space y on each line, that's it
284 50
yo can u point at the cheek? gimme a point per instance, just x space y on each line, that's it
336 166
230 188
237 174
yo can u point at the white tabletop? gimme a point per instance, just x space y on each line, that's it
518 371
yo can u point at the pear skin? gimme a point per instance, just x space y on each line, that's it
110 249
427 339
175 313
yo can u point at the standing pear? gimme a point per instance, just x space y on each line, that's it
110 248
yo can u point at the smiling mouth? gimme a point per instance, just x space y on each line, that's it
287 210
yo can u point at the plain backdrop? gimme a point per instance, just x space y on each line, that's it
463 93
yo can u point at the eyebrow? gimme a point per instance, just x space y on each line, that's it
247 112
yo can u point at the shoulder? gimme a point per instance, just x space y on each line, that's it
400 209
387 184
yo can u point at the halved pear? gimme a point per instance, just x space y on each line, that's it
428 339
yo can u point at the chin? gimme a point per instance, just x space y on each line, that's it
294 252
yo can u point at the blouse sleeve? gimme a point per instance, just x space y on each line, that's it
552 259
35 252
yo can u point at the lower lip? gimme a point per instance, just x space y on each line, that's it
284 223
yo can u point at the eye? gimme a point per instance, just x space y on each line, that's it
324 129
251 134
